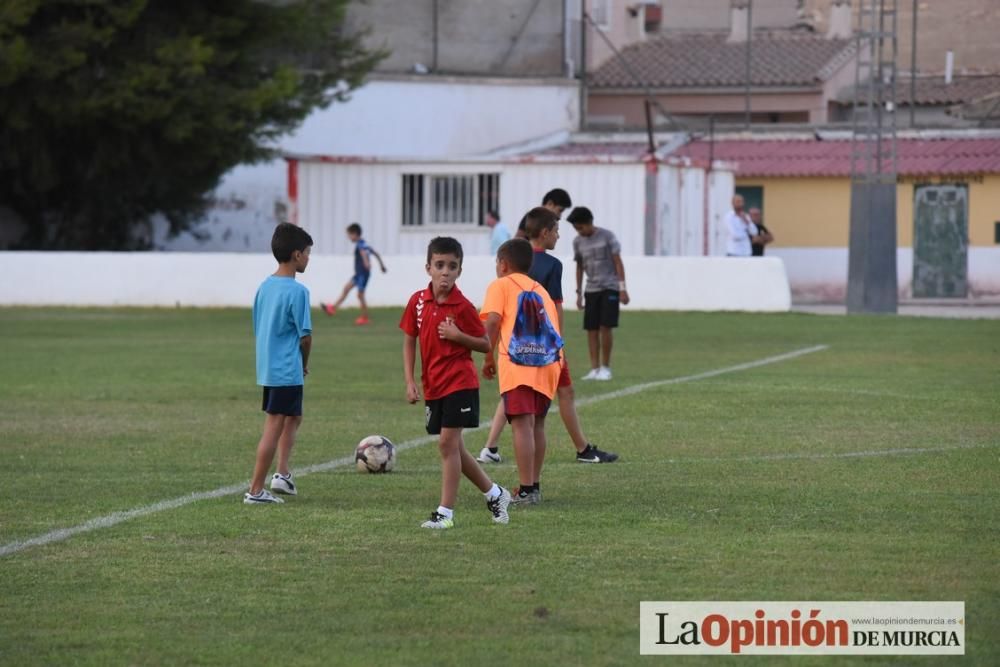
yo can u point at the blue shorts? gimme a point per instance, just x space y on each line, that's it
361 280
283 401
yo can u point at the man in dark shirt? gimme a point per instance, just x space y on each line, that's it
763 232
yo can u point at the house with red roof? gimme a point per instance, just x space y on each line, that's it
947 206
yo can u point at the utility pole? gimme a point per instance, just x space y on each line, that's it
913 66
871 271
747 58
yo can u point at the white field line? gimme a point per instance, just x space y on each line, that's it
116 518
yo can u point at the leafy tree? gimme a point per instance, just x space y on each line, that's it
114 110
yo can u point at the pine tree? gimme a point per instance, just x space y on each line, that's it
114 110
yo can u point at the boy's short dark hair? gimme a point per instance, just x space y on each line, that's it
444 245
559 197
538 220
287 239
580 215
354 228
518 253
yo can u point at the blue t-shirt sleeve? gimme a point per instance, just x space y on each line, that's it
301 315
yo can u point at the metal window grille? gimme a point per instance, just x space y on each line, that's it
449 199
413 200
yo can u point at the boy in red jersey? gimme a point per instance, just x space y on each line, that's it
448 328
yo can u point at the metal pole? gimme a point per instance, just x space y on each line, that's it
434 57
749 39
913 67
583 65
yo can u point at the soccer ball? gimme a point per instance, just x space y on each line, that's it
375 454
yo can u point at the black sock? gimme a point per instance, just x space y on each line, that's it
493 450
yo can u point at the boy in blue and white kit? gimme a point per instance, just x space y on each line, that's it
282 327
362 272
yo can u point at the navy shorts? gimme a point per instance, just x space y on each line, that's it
459 409
600 309
283 401
361 280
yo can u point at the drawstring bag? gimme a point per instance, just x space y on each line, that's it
534 341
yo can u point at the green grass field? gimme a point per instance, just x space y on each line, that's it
866 471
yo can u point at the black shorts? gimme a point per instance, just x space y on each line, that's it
283 401
600 309
459 409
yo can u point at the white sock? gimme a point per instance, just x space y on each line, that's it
445 512
493 493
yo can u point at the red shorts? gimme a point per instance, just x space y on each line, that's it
523 400
564 379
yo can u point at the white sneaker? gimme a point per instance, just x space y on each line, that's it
486 456
603 374
498 506
261 498
283 484
438 522
592 375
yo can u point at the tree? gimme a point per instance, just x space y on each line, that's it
114 110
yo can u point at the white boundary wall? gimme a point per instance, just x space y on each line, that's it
820 274
231 279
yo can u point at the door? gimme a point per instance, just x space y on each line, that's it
940 241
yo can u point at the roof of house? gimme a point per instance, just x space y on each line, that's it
706 60
933 91
942 156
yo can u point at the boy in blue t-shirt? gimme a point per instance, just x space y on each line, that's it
362 272
282 327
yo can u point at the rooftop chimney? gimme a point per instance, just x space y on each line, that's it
738 20
840 20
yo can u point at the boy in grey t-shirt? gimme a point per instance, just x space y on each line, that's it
598 254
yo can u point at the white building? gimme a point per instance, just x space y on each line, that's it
417 116
655 205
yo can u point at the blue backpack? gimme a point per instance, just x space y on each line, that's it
534 341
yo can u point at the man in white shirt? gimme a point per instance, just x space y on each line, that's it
741 232
500 232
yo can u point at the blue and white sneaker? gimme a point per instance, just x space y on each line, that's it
262 497
283 484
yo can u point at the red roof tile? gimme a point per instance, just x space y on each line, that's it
812 157
707 60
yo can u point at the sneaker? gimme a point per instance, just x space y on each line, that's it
328 308
260 498
486 456
603 374
438 521
282 484
519 498
499 506
592 375
361 321
592 454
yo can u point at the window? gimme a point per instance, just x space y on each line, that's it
449 199
600 11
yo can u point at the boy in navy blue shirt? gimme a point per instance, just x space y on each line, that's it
282 327
362 272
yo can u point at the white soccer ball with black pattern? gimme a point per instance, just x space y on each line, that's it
375 454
